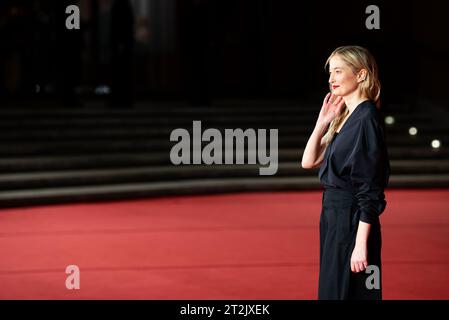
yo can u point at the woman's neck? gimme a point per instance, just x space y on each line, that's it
353 99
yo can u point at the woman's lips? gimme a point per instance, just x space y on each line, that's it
335 87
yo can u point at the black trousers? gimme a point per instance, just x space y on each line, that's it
338 229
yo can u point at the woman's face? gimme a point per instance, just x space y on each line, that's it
341 78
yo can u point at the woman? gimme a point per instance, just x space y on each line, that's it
348 144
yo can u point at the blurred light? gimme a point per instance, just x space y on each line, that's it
102 90
389 120
436 144
38 88
412 131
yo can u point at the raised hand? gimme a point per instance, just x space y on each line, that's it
332 107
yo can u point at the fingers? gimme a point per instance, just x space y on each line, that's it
326 98
337 100
339 107
342 101
361 266
358 266
355 267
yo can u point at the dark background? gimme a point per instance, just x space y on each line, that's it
203 50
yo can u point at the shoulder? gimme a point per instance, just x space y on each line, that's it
369 123
369 115
368 110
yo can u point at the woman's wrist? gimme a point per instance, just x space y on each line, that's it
321 126
362 233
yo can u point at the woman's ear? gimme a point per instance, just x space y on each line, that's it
361 76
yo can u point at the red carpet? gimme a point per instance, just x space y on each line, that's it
241 246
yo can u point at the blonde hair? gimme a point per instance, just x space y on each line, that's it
357 58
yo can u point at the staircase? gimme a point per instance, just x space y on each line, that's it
55 154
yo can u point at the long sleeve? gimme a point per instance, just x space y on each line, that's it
369 170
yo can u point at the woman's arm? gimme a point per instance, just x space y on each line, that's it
314 152
368 181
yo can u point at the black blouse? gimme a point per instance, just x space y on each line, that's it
357 160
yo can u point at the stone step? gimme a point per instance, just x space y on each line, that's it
52 155
175 120
86 177
85 146
97 160
205 186
397 133
155 109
